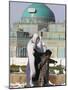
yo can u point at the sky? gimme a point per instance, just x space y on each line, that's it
17 9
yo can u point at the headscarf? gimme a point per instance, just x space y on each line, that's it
40 46
34 38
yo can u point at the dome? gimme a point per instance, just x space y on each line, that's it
37 10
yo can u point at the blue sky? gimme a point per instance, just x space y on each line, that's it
17 9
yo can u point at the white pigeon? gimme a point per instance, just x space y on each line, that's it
56 71
20 70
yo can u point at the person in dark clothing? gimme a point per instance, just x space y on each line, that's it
42 61
37 56
44 68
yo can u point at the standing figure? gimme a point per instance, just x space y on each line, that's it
34 43
44 68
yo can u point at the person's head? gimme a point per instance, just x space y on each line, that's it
48 54
35 39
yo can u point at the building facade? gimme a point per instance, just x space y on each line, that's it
37 18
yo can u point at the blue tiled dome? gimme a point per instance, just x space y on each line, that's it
41 11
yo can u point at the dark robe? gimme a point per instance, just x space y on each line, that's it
44 71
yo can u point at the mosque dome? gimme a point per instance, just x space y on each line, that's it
39 12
